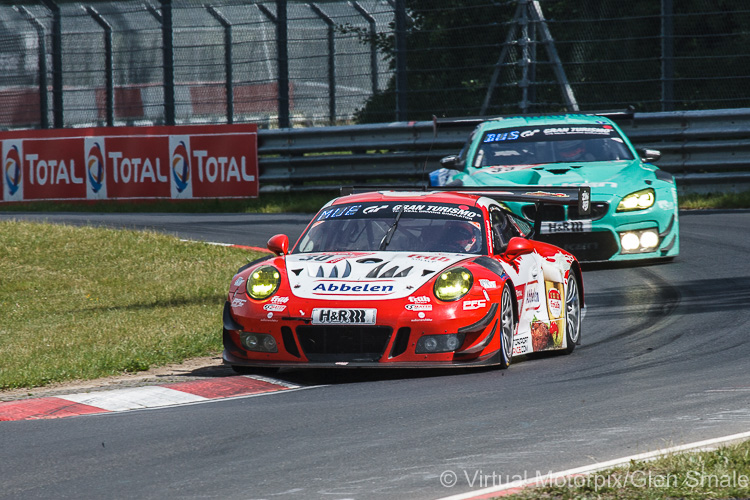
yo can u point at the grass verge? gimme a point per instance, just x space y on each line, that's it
307 202
715 200
722 473
83 303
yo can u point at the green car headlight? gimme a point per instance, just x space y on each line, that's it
640 200
263 282
453 284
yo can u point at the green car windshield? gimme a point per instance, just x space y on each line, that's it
562 143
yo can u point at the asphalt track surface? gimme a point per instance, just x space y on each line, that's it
664 362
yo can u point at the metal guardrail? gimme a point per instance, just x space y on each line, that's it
702 149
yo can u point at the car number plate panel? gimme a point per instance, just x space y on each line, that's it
566 226
329 316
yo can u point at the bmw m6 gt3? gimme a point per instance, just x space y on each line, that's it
634 211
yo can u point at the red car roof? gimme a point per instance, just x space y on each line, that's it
413 196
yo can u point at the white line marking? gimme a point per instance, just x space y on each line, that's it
204 401
587 469
274 381
133 398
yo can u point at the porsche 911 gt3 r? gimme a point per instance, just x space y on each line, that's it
404 279
634 204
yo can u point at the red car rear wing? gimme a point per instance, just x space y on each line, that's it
578 197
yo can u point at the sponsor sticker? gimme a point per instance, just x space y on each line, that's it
339 288
274 307
239 281
519 292
429 258
566 226
488 283
585 202
532 297
555 302
461 211
606 130
279 300
334 212
422 299
545 193
374 209
470 305
422 318
418 307
326 316
238 302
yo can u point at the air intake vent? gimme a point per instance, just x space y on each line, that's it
401 343
392 272
289 344
334 272
343 343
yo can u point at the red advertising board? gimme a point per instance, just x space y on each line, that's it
180 162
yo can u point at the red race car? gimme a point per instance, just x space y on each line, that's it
408 279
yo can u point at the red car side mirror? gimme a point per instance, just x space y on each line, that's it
279 244
518 246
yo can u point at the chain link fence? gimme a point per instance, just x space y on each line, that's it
289 63
219 48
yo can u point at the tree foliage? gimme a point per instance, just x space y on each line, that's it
611 53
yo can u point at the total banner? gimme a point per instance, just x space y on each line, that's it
133 163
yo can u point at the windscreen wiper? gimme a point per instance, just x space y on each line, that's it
391 230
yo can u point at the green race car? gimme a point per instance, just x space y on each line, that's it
634 211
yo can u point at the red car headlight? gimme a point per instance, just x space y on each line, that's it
263 282
453 284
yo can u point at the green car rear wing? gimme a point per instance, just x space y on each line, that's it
473 121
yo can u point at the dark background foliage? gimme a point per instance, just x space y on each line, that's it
612 53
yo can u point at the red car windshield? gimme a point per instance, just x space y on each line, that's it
396 226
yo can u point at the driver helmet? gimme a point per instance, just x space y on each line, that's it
464 235
571 150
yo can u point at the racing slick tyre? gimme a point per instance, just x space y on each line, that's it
572 314
506 327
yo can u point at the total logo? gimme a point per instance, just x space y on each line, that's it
95 167
221 168
180 162
135 170
50 171
12 169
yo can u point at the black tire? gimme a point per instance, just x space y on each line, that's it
506 327
572 314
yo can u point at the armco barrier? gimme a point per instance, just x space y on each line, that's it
704 150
